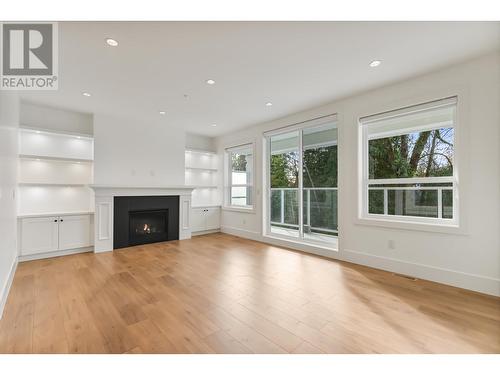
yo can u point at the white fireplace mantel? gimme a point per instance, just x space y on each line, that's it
104 208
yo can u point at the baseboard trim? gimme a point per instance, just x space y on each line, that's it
202 232
7 286
251 235
54 254
474 282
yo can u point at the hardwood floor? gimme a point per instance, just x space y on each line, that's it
222 294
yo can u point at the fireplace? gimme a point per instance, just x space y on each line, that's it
143 220
148 226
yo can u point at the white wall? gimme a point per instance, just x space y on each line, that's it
470 259
199 142
130 152
39 116
9 123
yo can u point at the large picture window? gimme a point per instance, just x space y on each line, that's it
302 179
408 164
240 176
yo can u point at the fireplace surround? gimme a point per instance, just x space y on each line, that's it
104 223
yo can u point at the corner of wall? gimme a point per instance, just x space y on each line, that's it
6 287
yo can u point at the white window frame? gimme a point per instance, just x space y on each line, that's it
229 184
364 123
333 245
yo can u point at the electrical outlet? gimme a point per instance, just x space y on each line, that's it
244 221
391 244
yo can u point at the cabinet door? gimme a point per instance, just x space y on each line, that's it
74 231
213 218
198 222
39 235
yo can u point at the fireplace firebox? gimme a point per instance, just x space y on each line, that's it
143 220
148 226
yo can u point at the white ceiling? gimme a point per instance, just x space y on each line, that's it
294 65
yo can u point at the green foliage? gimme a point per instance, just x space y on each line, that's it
320 167
238 162
284 170
420 154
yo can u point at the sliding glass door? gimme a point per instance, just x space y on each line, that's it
302 180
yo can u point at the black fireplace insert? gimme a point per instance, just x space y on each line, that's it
148 226
142 220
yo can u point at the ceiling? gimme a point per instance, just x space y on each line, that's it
164 66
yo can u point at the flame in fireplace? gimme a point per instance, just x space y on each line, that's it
146 229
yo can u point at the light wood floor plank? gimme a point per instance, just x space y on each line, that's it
222 294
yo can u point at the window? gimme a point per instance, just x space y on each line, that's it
240 176
302 181
409 173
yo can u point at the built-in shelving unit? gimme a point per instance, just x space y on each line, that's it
202 172
55 169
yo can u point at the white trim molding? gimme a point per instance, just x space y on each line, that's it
6 288
244 233
55 254
474 282
104 208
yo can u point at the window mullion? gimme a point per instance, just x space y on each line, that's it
386 201
301 184
440 202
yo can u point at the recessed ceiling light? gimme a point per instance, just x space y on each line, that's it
162 112
375 63
37 159
38 132
210 81
214 125
112 42
87 94
269 104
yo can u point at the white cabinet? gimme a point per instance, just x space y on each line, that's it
52 233
198 219
39 235
212 218
205 218
74 232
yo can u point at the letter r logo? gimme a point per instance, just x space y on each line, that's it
27 49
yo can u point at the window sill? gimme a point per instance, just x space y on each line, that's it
250 210
412 225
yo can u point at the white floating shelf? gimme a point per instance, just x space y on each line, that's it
57 133
50 184
45 214
54 158
202 169
206 187
38 143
